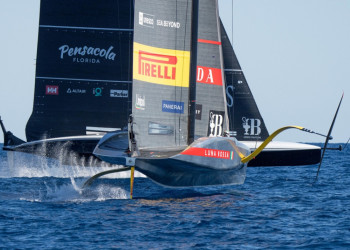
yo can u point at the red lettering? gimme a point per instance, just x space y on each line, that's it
147 68
174 73
153 70
160 72
166 76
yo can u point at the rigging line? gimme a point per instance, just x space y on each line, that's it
232 22
78 79
346 144
178 120
130 76
84 28
219 39
183 49
119 38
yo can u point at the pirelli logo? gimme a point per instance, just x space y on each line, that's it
156 65
161 66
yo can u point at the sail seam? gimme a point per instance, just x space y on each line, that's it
235 70
76 79
84 28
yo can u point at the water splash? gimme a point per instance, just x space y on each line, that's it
27 165
53 190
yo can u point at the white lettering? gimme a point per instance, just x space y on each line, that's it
169 24
254 125
210 76
216 122
200 74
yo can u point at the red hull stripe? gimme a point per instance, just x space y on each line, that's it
209 41
207 152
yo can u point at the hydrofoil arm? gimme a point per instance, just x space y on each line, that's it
269 139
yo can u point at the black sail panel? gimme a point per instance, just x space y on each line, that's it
83 68
161 72
211 118
245 119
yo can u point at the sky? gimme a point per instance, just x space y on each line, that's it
295 55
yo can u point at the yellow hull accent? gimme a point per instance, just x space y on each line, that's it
267 141
132 181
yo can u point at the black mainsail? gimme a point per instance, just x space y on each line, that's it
83 68
246 121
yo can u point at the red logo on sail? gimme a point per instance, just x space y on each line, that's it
157 65
51 90
209 75
208 152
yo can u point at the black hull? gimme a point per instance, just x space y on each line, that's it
67 150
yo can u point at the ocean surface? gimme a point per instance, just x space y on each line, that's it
42 206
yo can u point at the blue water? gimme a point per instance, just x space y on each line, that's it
42 206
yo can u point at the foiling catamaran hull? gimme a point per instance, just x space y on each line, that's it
72 150
207 161
278 153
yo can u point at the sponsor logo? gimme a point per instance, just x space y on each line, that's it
140 102
160 129
76 91
146 20
161 66
216 123
209 75
251 126
229 96
119 93
173 107
86 54
207 152
51 90
168 24
97 91
198 111
164 69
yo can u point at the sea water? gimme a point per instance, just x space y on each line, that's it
42 205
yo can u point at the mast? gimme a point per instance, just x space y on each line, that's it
193 73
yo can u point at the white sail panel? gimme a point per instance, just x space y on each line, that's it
161 73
